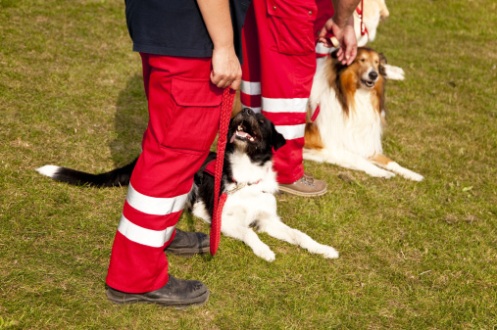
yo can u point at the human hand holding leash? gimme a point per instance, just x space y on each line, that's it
341 28
226 69
332 35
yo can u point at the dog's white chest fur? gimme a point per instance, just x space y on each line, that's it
358 132
251 191
258 177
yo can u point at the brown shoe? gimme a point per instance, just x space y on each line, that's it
306 186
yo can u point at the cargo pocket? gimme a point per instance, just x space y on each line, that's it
292 24
193 125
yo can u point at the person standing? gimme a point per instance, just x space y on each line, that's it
190 53
279 63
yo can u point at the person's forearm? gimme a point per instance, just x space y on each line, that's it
343 11
217 18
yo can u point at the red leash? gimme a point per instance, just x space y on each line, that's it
360 12
226 108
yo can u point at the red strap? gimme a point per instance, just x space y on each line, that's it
316 113
210 168
364 29
226 108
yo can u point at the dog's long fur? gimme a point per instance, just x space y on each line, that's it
348 129
248 179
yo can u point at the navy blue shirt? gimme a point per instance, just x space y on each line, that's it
176 27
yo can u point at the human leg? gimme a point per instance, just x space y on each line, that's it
183 121
279 46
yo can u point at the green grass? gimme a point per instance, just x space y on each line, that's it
413 255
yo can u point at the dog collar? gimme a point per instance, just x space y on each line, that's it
209 169
240 185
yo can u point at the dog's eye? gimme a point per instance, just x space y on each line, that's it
362 60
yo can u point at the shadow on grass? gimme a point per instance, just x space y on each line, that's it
130 122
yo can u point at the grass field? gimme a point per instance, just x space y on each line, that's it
413 255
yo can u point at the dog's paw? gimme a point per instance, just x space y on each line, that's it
394 72
379 173
406 173
414 176
329 252
265 253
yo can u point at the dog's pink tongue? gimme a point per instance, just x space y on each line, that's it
238 133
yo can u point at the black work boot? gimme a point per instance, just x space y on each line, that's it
176 293
188 244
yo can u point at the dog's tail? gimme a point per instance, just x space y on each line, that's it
114 178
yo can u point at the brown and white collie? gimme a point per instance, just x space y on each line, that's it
348 129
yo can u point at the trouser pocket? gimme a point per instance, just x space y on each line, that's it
192 124
292 25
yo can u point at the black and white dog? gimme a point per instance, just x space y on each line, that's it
248 179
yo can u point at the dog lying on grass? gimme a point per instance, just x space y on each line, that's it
248 179
348 129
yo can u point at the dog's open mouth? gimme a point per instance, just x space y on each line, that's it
241 134
368 83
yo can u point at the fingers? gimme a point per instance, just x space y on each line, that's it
226 69
343 38
328 37
226 80
322 33
350 54
236 84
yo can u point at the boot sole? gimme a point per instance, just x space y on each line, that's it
302 193
126 298
186 252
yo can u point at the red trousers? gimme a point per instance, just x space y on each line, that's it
279 52
184 109
279 62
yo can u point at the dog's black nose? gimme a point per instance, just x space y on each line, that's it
247 111
373 75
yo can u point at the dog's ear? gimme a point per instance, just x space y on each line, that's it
383 62
383 59
277 139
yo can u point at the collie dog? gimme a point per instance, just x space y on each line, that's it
248 179
348 129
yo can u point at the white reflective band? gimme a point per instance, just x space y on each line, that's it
251 88
155 205
291 132
254 109
284 105
144 236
